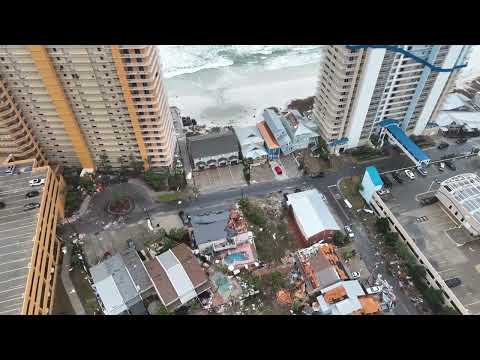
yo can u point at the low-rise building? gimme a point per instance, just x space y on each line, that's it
300 135
32 199
213 150
346 298
271 144
320 266
251 144
312 216
210 230
275 124
120 281
177 277
460 195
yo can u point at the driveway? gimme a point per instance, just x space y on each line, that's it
219 178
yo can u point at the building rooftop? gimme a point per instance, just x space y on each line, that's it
115 285
248 135
312 212
212 144
210 226
448 247
412 148
136 270
465 189
176 274
17 229
267 135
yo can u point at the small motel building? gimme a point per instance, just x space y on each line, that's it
443 236
312 216
29 248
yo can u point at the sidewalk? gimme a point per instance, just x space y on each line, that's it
67 283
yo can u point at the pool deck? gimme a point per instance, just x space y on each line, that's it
246 248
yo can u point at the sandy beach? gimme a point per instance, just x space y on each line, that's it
237 95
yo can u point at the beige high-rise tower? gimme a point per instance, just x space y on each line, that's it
68 105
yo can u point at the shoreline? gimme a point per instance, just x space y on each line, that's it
238 95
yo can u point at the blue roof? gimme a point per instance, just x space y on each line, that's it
407 143
375 176
341 141
387 122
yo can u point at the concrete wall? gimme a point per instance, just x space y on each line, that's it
433 278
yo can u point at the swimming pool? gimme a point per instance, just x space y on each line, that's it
236 256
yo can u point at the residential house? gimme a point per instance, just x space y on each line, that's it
270 143
213 150
275 124
312 216
120 286
251 144
321 267
210 231
177 277
296 126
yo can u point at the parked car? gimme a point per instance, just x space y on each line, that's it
318 175
429 200
355 275
37 182
32 193
349 231
443 145
453 282
441 166
386 180
397 178
10 169
382 192
410 174
422 171
373 290
2 204
278 170
31 206
461 141
451 165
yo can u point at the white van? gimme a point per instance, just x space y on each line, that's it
347 203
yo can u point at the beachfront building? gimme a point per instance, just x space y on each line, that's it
79 106
251 144
213 150
299 133
177 277
270 143
359 86
275 124
29 246
312 216
460 195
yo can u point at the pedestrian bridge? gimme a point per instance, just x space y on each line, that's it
397 136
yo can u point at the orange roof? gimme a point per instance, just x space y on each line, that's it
267 135
284 297
335 294
369 305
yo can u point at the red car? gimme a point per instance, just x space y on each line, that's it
278 170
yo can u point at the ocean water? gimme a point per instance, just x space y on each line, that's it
187 59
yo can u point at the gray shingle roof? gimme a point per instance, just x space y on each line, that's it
212 144
136 270
210 227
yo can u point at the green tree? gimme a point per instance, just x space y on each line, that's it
391 238
276 280
382 225
296 307
123 166
105 163
137 166
157 181
340 239
447 310
162 310
434 298
177 234
87 184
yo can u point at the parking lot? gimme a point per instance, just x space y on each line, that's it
448 247
261 173
219 178
17 228
291 167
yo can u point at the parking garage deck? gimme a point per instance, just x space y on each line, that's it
451 250
17 232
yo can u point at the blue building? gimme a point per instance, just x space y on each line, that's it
278 130
371 183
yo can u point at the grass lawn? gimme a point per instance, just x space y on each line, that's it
173 196
84 291
349 188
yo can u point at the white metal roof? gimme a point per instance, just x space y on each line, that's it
177 276
465 189
312 212
111 297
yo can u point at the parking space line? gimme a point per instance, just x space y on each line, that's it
445 270
473 303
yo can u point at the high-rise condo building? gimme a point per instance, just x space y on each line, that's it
72 105
360 85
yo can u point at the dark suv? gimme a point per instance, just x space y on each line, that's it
453 282
443 145
31 194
